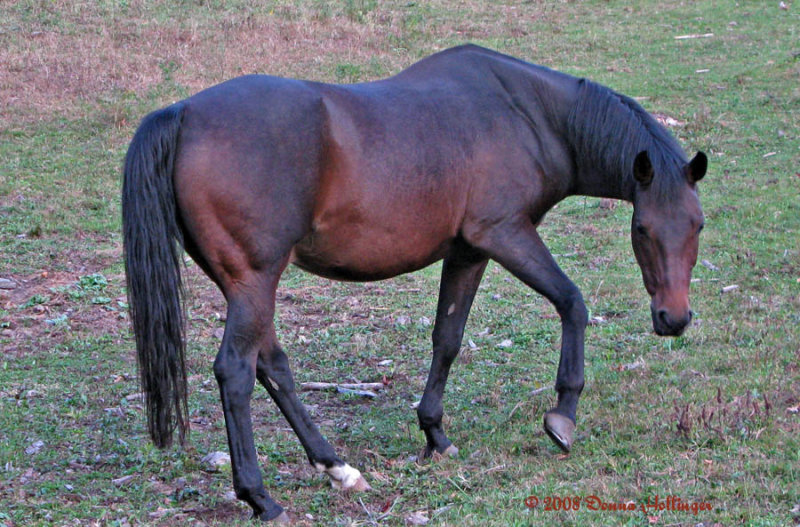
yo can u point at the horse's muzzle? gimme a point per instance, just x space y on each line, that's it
667 324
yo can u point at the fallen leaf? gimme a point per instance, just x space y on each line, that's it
34 448
638 363
417 518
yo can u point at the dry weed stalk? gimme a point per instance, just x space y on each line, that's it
721 417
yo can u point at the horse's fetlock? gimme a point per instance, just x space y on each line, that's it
573 386
249 490
429 417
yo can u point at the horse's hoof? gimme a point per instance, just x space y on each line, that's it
435 455
282 519
345 477
360 485
560 429
450 451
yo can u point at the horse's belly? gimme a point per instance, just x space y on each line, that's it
368 254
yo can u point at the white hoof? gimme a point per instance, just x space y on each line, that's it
360 486
346 477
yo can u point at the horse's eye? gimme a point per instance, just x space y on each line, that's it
641 230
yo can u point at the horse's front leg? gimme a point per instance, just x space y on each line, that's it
460 279
518 248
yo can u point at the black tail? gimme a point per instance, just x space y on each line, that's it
151 237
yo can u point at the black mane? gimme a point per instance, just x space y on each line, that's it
608 130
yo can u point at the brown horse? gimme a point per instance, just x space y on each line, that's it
456 158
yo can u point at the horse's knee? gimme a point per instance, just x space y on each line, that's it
572 307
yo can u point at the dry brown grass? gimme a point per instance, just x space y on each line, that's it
57 57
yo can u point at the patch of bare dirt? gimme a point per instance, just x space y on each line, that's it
43 308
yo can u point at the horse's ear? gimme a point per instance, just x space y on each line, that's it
697 167
642 168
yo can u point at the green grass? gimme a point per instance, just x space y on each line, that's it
705 417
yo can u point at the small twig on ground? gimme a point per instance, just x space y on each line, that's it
493 469
543 389
699 35
361 393
345 385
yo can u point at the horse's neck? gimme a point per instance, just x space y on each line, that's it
594 182
600 129
553 96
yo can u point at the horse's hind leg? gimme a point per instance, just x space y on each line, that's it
274 374
519 249
460 279
235 370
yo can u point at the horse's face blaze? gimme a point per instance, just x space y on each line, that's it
665 235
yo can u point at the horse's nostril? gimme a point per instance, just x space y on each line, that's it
663 317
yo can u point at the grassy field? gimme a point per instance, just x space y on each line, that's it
711 417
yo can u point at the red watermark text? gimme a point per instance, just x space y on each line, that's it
595 503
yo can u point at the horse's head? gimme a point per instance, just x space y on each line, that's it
665 232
